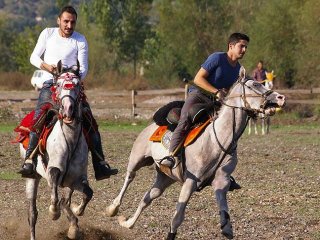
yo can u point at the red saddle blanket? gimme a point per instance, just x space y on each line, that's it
192 135
23 131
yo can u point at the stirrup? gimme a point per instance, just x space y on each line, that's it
168 161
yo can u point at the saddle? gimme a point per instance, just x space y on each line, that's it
167 118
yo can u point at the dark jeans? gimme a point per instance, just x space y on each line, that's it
185 122
45 97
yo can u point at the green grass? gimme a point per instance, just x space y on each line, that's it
123 126
114 126
7 127
9 176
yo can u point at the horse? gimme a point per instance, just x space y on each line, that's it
265 119
65 158
209 160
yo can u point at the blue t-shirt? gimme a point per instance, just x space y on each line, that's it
221 73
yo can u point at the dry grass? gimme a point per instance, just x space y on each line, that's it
14 81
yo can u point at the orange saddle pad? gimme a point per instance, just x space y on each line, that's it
192 135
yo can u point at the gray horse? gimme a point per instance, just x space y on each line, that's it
67 152
210 160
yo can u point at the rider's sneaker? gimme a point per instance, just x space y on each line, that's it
27 170
104 172
233 184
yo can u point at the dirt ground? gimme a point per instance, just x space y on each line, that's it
279 199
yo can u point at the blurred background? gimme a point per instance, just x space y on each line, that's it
145 44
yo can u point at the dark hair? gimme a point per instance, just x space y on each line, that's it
236 37
260 61
68 9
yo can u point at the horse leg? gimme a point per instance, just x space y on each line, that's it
221 186
161 183
132 168
263 126
113 208
31 192
54 208
249 126
268 124
68 194
73 232
87 194
188 188
255 126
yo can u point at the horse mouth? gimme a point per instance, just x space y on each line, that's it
67 120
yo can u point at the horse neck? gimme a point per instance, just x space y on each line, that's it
231 122
71 132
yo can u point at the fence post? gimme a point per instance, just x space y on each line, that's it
186 89
133 103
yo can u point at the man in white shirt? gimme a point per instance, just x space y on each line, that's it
63 43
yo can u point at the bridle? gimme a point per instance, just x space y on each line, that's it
68 81
252 112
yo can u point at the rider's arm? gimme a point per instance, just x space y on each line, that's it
83 57
35 58
201 80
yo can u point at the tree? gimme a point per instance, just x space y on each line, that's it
22 48
6 38
125 26
274 38
308 65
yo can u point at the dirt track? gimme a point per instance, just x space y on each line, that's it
279 199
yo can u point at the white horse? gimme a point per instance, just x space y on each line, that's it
64 163
265 119
210 160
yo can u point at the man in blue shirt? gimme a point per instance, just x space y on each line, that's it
216 75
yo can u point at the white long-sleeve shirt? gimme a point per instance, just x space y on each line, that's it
56 48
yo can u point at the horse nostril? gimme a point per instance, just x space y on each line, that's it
281 97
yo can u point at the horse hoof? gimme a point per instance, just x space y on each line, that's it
76 210
54 212
227 231
111 210
73 232
122 220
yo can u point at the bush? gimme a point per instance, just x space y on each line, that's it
15 81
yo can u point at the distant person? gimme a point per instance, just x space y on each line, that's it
63 43
216 75
259 73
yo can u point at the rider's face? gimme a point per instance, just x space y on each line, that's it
239 49
67 23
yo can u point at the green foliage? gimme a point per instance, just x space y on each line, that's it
274 39
308 67
6 62
22 48
165 37
125 27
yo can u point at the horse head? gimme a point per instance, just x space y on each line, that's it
68 92
255 97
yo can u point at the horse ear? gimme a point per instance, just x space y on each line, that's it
59 67
242 72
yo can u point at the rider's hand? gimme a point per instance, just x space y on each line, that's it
49 68
222 93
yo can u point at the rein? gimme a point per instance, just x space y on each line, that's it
252 112
66 82
69 148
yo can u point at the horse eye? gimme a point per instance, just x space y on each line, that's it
256 84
